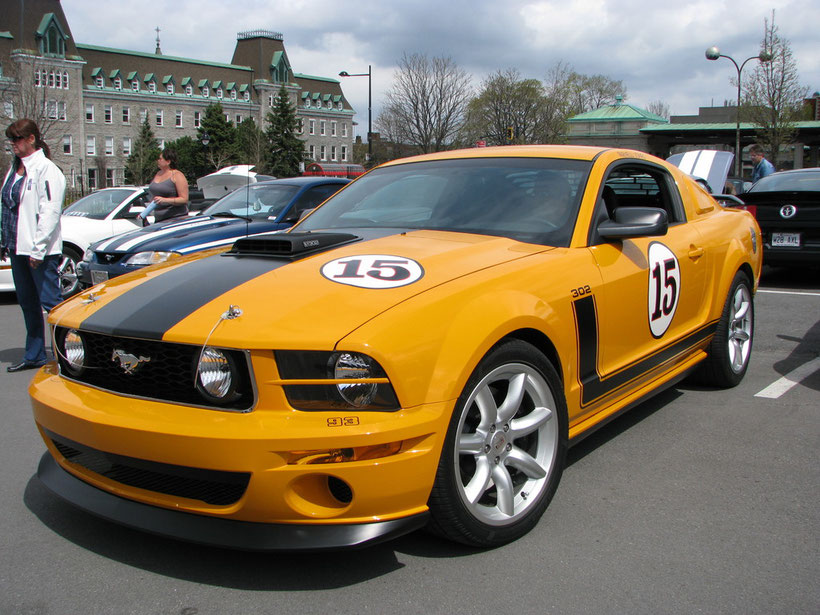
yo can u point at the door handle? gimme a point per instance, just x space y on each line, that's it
694 252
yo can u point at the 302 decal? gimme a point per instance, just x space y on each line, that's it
373 271
580 291
664 287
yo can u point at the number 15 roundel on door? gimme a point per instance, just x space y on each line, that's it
664 288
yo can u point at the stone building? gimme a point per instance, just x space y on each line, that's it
90 101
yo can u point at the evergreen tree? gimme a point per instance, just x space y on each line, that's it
285 149
142 163
221 148
190 157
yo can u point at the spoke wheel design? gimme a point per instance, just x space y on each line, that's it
505 449
731 348
740 329
69 281
507 443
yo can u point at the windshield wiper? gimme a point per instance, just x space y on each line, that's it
228 214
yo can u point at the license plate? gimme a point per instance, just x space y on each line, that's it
98 276
786 240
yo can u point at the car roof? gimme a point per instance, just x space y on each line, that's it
572 152
303 181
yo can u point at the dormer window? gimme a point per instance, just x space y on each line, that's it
233 94
152 87
169 88
135 85
206 91
117 83
339 106
189 90
307 103
329 105
219 93
98 81
247 96
51 36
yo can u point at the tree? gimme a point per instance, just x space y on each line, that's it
251 143
508 109
427 103
142 163
27 90
190 157
221 148
659 108
773 95
285 150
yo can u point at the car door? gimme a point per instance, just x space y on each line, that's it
648 313
125 217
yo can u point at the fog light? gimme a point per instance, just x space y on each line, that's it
215 376
74 351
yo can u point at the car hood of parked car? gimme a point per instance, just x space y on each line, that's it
186 235
293 301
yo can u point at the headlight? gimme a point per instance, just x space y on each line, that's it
73 352
150 258
368 389
216 376
88 255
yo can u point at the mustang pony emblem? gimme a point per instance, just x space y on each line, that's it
128 362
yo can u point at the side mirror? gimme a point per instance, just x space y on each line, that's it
728 200
634 222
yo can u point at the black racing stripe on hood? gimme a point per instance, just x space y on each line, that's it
147 311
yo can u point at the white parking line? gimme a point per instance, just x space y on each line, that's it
781 386
786 292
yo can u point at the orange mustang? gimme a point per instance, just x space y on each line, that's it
419 351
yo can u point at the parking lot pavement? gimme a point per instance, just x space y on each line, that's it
696 501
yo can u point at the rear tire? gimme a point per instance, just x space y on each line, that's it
731 347
504 451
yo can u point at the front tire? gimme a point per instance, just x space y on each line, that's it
69 280
731 347
504 451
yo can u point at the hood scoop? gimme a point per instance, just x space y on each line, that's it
290 246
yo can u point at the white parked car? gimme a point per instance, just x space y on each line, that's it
103 213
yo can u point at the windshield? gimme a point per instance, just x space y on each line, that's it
528 199
804 181
98 204
264 202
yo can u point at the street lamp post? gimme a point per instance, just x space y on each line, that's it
369 76
713 53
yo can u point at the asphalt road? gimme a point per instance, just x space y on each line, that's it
699 501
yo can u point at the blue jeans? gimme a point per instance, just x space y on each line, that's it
37 290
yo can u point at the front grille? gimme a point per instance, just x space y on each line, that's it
110 258
168 375
214 487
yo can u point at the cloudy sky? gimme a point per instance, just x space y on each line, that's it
655 48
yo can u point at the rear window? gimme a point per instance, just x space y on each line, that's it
808 181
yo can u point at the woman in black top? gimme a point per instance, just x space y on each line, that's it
169 189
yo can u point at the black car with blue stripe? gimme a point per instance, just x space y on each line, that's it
256 209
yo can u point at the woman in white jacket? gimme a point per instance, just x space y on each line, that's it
32 200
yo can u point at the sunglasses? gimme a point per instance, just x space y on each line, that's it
15 139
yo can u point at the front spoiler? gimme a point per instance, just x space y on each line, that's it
213 531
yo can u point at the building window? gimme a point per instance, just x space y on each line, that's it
332 129
37 78
270 100
178 120
58 77
219 93
61 110
300 126
152 87
307 103
126 146
89 112
312 127
98 81
247 96
189 90
322 128
117 83
323 152
90 146
206 91
109 146
159 117
67 143
92 179
344 153
135 85
108 113
51 109
169 88
233 94
339 105
65 80
109 178
126 115
312 152
143 116
333 152
197 119
344 129
238 119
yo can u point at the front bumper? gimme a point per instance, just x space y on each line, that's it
119 456
212 531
